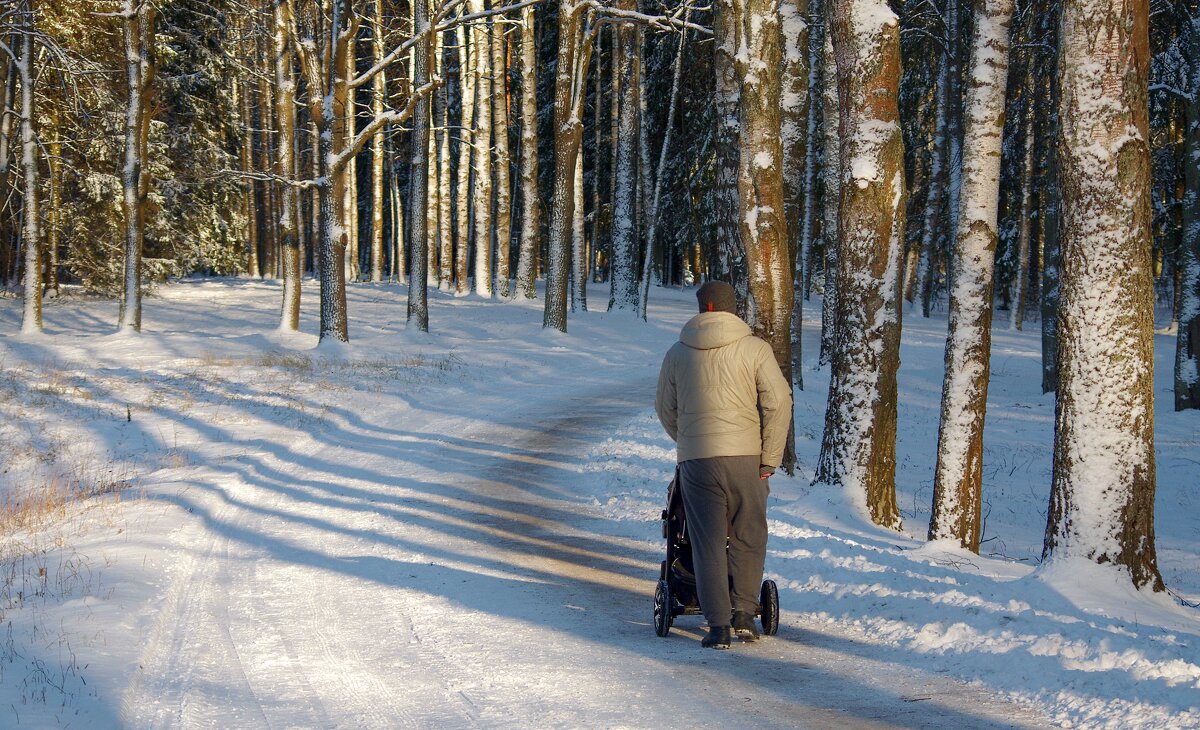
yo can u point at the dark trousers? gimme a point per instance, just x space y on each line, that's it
723 496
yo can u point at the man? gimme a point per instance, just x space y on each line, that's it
723 400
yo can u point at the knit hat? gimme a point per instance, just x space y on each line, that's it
716 296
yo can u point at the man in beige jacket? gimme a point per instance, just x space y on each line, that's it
723 400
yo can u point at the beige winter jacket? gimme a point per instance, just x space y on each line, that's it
720 392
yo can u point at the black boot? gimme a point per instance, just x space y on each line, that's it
718 637
744 627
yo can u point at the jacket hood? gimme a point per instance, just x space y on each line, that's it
710 330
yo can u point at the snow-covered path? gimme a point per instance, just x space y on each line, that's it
460 530
314 594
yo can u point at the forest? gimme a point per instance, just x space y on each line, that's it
1031 160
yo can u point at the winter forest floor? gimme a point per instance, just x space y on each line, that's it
215 525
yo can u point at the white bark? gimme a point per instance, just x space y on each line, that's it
482 193
530 209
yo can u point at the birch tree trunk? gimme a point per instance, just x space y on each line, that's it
285 110
579 248
466 137
858 448
350 175
1102 503
958 477
248 187
139 67
503 221
54 214
31 320
530 197
418 277
378 94
445 182
761 195
482 198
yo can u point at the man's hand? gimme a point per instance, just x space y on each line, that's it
765 471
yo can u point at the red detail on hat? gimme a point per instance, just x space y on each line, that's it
710 306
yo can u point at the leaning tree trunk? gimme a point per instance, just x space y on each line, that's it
31 321
530 197
958 477
763 217
285 110
1187 342
139 67
1102 503
858 448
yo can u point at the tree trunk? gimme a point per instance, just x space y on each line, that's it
530 196
139 44
285 110
54 214
350 174
31 321
503 222
623 278
1102 503
1020 286
445 182
958 477
800 159
1187 339
378 92
858 448
418 199
482 201
727 36
466 137
831 196
761 194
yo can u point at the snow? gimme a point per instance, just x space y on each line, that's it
460 529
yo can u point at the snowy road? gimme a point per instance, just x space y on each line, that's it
384 574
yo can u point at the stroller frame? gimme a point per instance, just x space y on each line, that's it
676 593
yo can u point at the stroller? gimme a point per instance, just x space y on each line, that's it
676 592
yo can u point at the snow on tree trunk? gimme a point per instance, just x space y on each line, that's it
831 197
931 228
285 110
727 18
579 252
139 43
1187 342
623 277
444 180
1102 503
761 194
1051 252
795 105
530 196
466 138
54 203
418 275
248 187
31 321
350 172
858 448
958 476
503 160
482 201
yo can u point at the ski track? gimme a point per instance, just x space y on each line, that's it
367 602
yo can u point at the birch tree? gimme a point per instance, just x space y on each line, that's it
503 185
1102 502
625 240
795 105
466 139
530 210
138 26
285 112
958 477
481 200
858 447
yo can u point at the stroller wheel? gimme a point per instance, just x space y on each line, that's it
769 598
664 603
